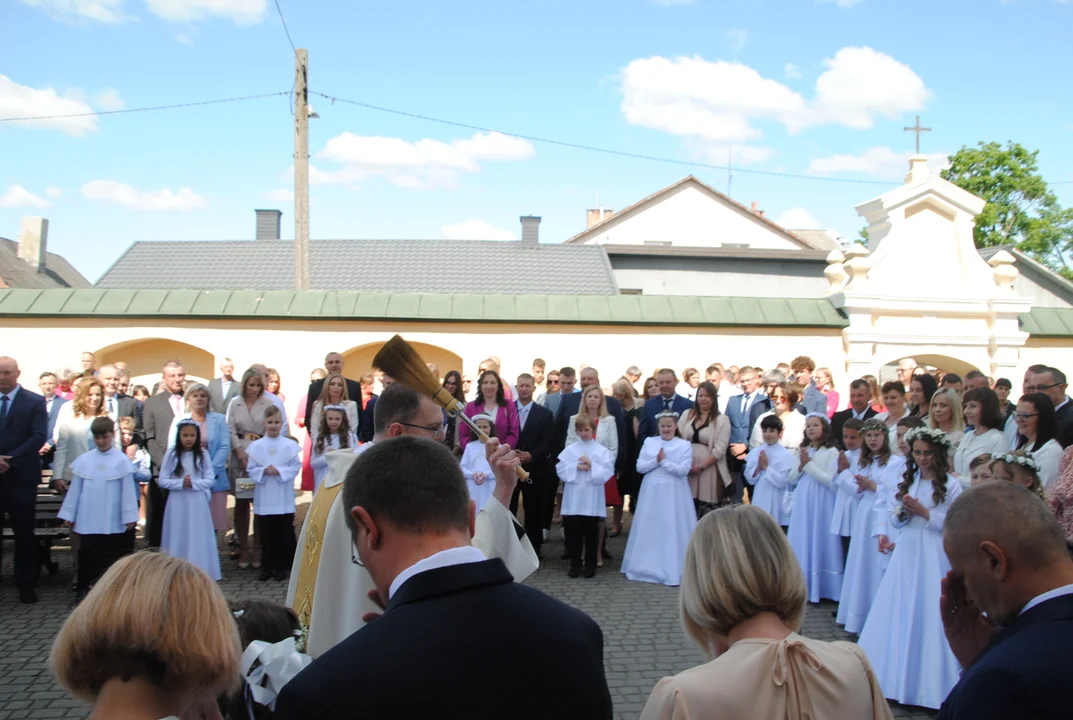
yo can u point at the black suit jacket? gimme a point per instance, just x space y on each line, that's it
538 439
127 406
353 389
463 641
156 417
569 407
839 419
365 431
23 431
1023 673
1064 432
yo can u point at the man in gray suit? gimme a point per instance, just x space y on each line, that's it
223 388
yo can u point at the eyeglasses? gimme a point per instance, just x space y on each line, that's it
354 556
1022 416
1040 388
439 432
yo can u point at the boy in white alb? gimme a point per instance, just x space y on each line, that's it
769 468
845 483
584 467
274 462
101 505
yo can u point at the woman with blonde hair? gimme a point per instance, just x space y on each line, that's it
946 414
153 639
826 385
246 422
71 436
334 392
742 602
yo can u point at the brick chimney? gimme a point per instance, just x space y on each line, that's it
755 211
530 229
33 242
268 224
597 216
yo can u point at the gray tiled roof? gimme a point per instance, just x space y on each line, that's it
18 273
400 266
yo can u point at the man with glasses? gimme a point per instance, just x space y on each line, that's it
905 371
1052 383
1010 431
334 603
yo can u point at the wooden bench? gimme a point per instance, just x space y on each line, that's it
48 528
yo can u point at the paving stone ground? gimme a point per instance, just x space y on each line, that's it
643 640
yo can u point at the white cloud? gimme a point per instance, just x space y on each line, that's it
722 102
474 229
108 99
424 164
282 195
106 11
860 84
798 219
118 193
791 71
737 38
53 192
881 162
18 196
184 38
22 101
243 12
845 3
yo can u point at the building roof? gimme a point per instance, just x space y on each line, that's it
823 240
805 241
1041 274
1048 322
733 253
17 273
487 308
366 266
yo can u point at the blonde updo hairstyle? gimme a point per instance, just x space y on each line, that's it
738 565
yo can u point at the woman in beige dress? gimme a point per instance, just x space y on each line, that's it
742 603
709 432
246 421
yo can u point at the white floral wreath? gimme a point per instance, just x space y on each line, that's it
935 436
1026 461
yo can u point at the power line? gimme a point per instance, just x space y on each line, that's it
610 151
285 29
606 151
144 109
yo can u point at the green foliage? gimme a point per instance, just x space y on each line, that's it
1021 210
862 236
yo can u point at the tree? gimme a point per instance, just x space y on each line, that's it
1021 210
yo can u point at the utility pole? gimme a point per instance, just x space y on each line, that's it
301 170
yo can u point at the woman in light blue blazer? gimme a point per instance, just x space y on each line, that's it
216 439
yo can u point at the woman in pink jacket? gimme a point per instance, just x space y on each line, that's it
491 401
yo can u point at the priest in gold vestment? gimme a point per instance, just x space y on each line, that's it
328 588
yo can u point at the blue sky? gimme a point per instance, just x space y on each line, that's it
820 88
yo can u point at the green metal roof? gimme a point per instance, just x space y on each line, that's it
1048 322
341 305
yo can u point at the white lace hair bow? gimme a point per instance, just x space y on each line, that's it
279 664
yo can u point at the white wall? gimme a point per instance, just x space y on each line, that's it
694 218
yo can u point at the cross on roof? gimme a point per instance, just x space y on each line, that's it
917 130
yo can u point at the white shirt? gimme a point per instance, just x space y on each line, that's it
111 404
1049 595
274 495
858 415
442 559
523 412
102 498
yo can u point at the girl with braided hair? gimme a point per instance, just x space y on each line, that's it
903 635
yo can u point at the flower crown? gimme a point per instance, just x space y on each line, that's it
935 436
872 425
188 421
667 414
818 416
1025 461
340 408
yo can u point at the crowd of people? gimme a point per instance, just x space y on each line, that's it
864 494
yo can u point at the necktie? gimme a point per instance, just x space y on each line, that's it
111 406
3 408
745 403
666 405
177 404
